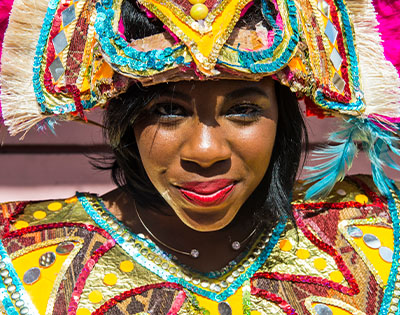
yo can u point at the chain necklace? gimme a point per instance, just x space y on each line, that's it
194 253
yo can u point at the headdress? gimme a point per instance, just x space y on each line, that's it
62 57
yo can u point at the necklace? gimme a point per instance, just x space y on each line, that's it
194 253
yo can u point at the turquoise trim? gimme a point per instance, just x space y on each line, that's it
134 253
4 296
389 289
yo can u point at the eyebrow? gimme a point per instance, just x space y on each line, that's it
247 91
174 94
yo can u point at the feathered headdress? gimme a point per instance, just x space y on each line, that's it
77 56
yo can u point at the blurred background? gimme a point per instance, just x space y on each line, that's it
46 166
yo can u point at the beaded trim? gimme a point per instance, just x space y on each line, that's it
370 221
123 296
139 247
391 296
11 288
318 299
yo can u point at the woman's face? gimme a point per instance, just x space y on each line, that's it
206 146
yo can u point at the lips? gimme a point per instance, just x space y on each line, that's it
207 193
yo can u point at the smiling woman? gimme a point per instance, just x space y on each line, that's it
202 116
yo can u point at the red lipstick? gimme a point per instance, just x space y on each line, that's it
207 193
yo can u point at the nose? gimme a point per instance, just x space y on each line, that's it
205 146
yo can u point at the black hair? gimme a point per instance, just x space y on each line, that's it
272 196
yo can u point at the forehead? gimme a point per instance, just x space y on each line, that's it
221 87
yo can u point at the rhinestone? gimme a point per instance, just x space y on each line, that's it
240 269
224 284
110 220
56 69
172 270
261 245
138 246
217 288
158 260
180 274
251 258
7 281
372 241
322 309
224 308
336 58
246 264
395 300
11 288
150 256
396 292
230 279
341 192
235 273
354 231
4 273
323 6
47 259
338 82
164 266
144 251
236 245
15 296
386 254
104 216
31 275
393 308
2 265
1 258
126 236
331 32
68 15
65 248
115 225
19 303
257 252
194 253
24 311
141 235
188 278
204 284
60 42
397 285
196 281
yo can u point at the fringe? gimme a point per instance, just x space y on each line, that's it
20 108
379 78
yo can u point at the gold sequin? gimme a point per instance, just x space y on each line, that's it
303 253
110 279
285 245
54 206
320 263
21 224
363 199
83 311
95 296
336 276
126 266
71 200
39 214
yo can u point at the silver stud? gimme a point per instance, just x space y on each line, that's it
386 254
157 260
2 265
7 281
15 295
235 274
322 309
24 311
65 248
144 251
19 303
11 288
68 15
194 253
31 275
224 284
172 270
47 259
60 42
331 32
164 266
196 281
56 69
240 269
224 308
236 245
336 59
4 273
230 279
338 82
372 241
216 288
205 284
354 231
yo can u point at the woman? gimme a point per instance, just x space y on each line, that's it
202 221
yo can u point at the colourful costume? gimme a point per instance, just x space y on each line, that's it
72 256
338 261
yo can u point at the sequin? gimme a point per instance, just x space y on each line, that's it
21 224
386 254
302 253
224 308
338 82
65 248
60 42
95 296
336 276
110 279
320 263
39 215
372 241
31 275
196 1
354 231
54 206
331 31
83 311
236 245
336 59
126 266
68 15
285 245
363 199
322 309
47 259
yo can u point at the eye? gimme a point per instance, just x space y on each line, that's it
244 112
168 111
